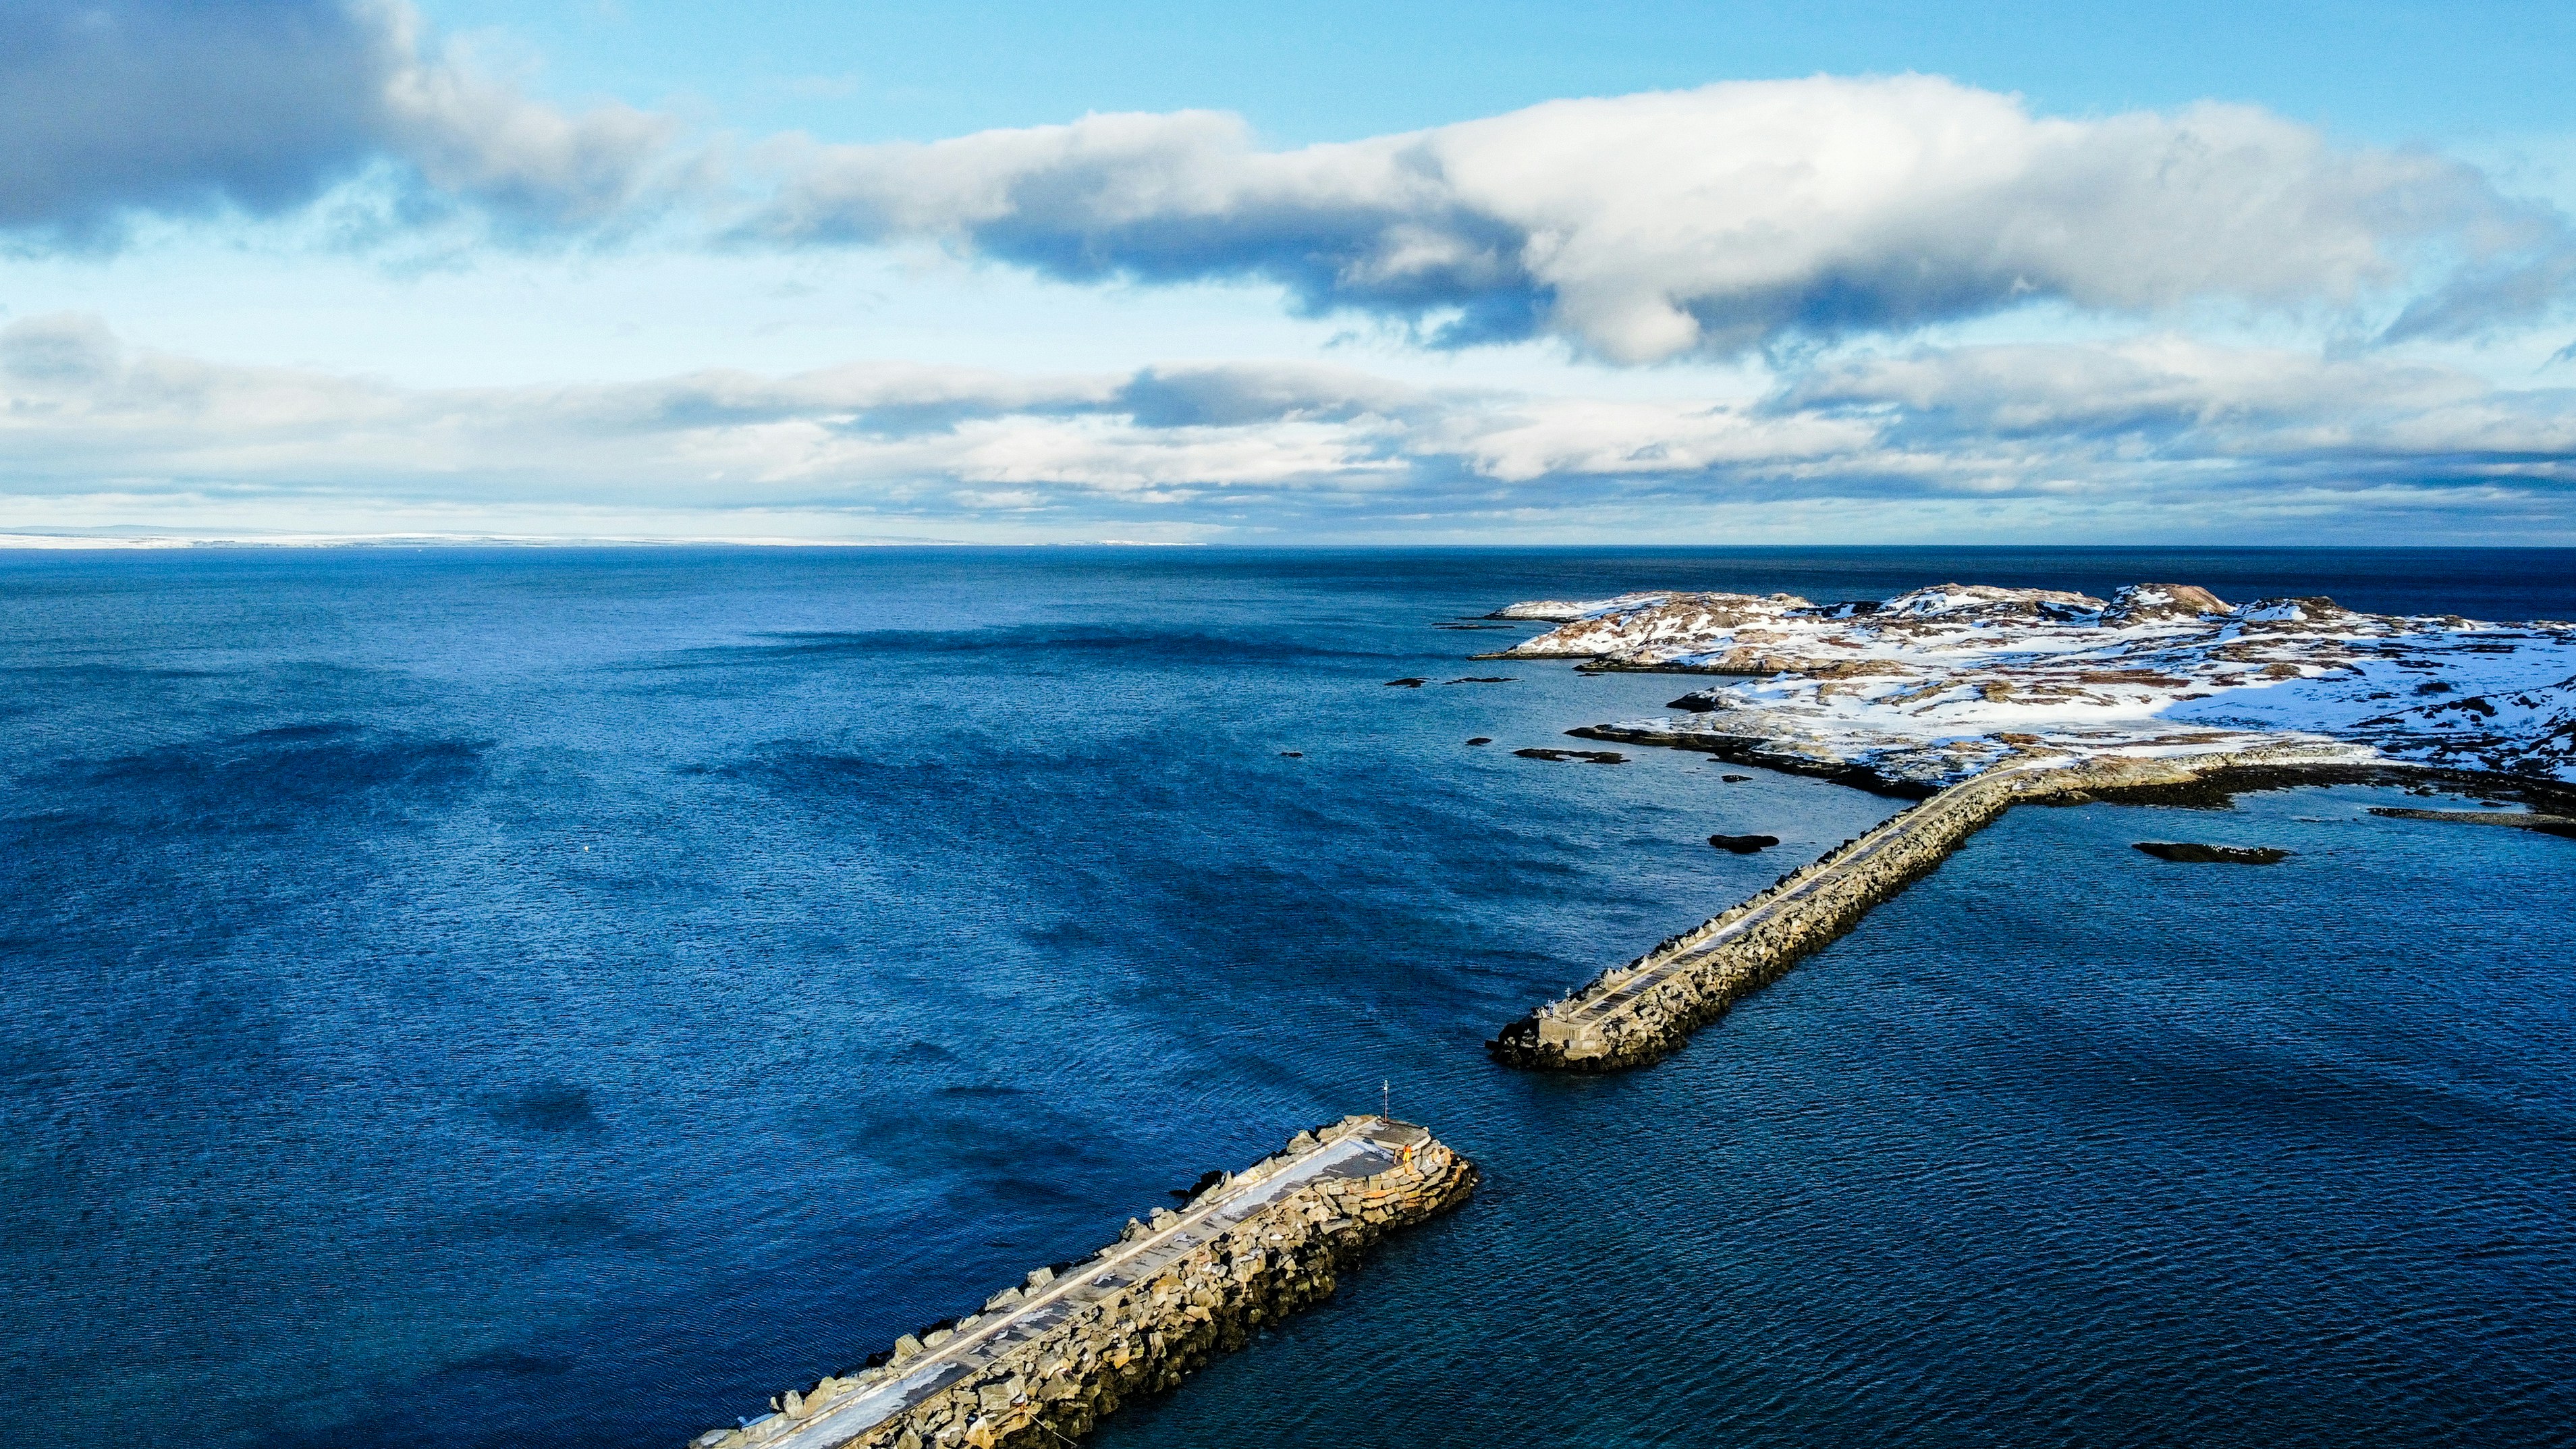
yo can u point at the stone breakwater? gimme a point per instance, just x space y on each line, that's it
1643 1011
1045 1361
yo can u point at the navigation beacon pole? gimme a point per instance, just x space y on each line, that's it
1386 1099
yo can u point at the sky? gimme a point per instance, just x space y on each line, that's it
1513 273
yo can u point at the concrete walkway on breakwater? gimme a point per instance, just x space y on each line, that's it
1374 1148
1645 1010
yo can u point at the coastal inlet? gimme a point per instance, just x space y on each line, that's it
1045 1361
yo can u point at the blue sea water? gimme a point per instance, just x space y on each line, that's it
501 998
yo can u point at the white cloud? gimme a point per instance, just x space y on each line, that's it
1646 227
112 109
476 138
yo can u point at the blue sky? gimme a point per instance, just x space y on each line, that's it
1327 72
1510 272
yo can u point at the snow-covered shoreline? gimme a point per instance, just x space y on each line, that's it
1938 684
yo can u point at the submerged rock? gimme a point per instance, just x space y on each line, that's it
1482 740
1744 844
2544 824
1595 757
2192 853
1406 683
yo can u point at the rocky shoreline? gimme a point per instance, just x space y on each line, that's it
1919 691
1970 698
1044 1362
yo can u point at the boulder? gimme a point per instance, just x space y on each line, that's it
1213 1178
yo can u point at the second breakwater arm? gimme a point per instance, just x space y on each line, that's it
1645 1010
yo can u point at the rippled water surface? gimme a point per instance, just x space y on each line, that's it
503 998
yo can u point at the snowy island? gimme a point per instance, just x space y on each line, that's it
1979 698
1931 687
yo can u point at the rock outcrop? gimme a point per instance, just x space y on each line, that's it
2544 824
1925 689
1588 757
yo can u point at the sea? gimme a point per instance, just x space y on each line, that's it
513 997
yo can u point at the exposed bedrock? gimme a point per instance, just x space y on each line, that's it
1588 757
1768 752
1645 1010
2534 821
1046 1361
2193 852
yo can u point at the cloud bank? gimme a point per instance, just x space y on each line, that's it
1823 224
1714 221
1636 229
2159 435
